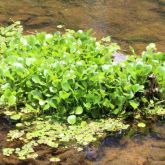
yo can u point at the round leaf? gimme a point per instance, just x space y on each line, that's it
71 119
79 110
142 125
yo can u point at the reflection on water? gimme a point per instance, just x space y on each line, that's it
129 22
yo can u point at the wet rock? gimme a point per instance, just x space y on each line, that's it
34 11
21 17
93 153
159 145
157 163
158 154
38 22
161 2
143 39
2 18
130 22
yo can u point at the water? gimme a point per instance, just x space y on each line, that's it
144 146
140 149
129 22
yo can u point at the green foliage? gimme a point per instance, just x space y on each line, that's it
8 151
48 79
8 34
54 135
156 111
72 76
142 125
54 159
71 119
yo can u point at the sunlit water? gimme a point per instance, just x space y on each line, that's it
129 22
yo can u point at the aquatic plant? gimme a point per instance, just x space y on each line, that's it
73 76
54 134
64 89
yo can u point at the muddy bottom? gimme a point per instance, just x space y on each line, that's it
139 149
129 22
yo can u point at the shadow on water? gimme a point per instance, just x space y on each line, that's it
129 22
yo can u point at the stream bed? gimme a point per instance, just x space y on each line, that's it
129 22
142 147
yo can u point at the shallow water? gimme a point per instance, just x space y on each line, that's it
143 147
140 149
129 22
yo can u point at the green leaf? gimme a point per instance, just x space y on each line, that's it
36 79
8 151
134 104
142 125
30 61
36 94
63 95
15 117
138 88
55 159
41 102
12 100
28 83
65 85
52 103
87 105
46 106
117 111
71 119
79 110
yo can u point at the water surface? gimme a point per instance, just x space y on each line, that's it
145 147
129 22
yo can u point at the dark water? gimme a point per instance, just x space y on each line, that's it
145 147
129 22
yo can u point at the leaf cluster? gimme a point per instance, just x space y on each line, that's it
73 76
55 135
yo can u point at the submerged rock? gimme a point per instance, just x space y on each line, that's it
119 57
